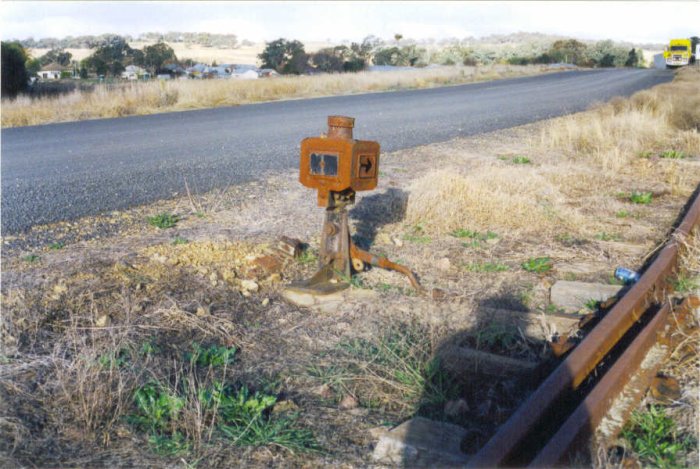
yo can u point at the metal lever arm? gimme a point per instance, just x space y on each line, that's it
385 263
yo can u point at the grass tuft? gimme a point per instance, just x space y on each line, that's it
537 264
642 198
486 267
163 220
521 160
653 436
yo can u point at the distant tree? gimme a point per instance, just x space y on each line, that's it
59 56
116 68
285 56
568 50
14 71
33 66
326 60
404 56
110 48
632 59
398 37
157 55
339 59
83 72
388 56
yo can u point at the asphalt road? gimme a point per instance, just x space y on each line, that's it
64 171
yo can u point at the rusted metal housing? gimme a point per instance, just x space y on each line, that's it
337 163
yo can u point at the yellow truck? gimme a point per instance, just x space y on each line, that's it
678 53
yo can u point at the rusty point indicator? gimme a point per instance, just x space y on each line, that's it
338 166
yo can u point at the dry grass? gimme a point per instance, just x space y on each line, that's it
626 137
155 97
497 198
616 134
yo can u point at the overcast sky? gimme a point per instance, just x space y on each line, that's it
317 21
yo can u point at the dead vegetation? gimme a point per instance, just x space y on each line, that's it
173 347
160 96
645 136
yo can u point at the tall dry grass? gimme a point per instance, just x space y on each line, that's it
666 117
155 97
574 154
516 199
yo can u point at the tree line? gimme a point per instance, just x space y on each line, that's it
112 54
92 41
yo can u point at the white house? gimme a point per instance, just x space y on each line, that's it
132 72
51 71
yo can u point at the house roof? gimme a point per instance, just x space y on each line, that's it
53 67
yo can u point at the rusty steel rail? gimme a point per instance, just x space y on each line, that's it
651 289
588 415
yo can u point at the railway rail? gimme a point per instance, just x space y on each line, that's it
569 405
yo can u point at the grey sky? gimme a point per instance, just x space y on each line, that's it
309 21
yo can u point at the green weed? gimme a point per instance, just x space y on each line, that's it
177 240
684 284
417 235
240 415
486 267
396 370
521 160
653 436
114 359
592 305
463 233
163 220
673 154
538 264
355 281
642 198
418 239
157 407
307 257
603 236
56 246
31 258
213 355
623 214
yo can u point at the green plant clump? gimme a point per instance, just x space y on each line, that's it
653 436
30 258
163 220
538 264
56 246
240 415
177 240
213 355
521 160
307 256
475 235
642 198
673 154
486 267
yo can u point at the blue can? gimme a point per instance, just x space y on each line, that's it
626 276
